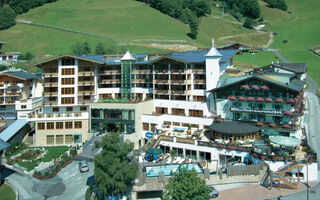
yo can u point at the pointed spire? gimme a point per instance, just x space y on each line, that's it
213 51
127 56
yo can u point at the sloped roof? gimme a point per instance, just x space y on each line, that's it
10 131
294 67
127 56
234 128
23 75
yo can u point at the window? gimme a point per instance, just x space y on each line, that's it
50 125
78 124
145 126
55 109
67 100
196 113
41 126
69 109
68 71
67 90
69 139
50 139
59 125
67 81
83 108
177 111
68 61
59 139
68 125
23 106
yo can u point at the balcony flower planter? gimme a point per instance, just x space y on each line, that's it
251 99
286 126
279 100
255 87
260 99
180 70
287 113
246 87
264 87
272 125
268 100
232 98
290 100
259 124
164 71
296 100
242 98
218 120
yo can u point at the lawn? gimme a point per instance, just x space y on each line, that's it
257 59
53 152
302 30
122 21
6 193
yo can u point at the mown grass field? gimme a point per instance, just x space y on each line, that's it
302 30
6 193
123 21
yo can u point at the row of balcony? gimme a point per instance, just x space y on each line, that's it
80 92
55 115
50 103
82 73
261 111
10 94
172 92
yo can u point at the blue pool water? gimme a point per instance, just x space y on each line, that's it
153 171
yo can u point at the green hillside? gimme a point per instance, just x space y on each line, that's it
302 30
123 21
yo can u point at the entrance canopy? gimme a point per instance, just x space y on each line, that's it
285 141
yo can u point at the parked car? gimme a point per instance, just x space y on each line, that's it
213 192
83 166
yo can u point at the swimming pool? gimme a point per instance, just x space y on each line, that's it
153 171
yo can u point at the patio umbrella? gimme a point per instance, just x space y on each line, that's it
154 151
270 132
285 141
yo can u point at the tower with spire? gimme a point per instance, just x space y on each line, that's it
126 64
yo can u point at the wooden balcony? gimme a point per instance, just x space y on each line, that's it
161 91
50 84
109 72
146 71
86 73
173 81
49 94
49 103
160 81
138 80
84 101
178 92
13 94
48 74
198 71
85 83
199 81
109 81
85 92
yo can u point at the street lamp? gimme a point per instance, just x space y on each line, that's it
308 186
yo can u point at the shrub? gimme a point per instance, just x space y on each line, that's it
249 23
280 4
26 56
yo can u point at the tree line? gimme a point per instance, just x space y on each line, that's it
9 9
280 4
187 11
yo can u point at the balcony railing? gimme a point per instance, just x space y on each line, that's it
252 110
138 80
13 94
86 73
83 92
178 81
146 71
85 82
161 91
50 93
55 115
197 81
106 81
50 84
178 92
84 101
50 74
160 81
48 103
196 71
107 72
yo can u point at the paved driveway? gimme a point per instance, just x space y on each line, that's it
68 184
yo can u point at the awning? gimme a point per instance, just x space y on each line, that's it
3 145
154 151
270 132
285 141
78 134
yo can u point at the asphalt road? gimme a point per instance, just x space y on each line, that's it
69 183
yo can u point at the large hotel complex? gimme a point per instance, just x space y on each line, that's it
195 103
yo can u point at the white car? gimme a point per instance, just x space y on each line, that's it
83 166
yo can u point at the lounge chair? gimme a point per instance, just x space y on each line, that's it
181 160
176 160
169 161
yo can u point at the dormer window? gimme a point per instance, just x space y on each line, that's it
68 62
